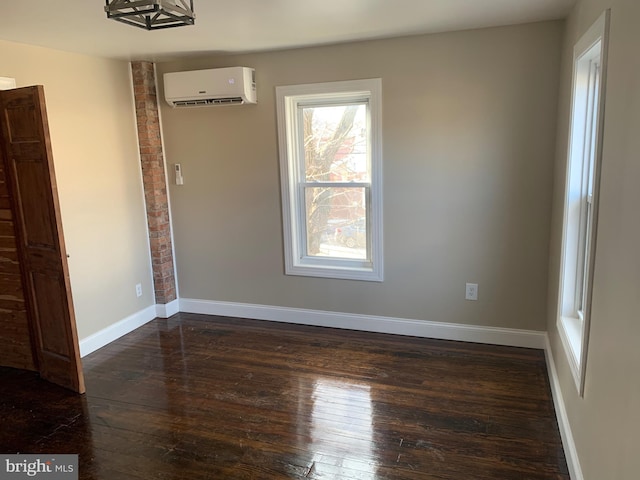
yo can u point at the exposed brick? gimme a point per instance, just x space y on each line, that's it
151 150
154 180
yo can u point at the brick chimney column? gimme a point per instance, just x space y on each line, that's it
154 181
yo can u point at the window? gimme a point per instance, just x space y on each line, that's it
581 200
331 167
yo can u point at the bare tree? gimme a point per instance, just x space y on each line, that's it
320 154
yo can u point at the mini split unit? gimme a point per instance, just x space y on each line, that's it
202 88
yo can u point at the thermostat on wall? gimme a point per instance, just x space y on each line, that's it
178 170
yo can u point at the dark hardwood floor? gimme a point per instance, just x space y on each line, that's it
197 397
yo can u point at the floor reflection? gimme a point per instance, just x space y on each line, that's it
341 430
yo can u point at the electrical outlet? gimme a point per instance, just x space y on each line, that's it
471 291
139 289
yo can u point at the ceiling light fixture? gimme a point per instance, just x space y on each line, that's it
152 14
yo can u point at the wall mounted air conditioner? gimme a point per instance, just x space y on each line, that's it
218 86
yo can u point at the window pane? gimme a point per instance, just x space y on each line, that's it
336 143
336 222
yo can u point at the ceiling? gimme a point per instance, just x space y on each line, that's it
224 26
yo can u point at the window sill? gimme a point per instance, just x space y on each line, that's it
363 274
571 332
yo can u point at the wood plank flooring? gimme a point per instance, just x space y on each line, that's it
200 397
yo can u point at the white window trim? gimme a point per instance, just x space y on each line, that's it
573 322
287 97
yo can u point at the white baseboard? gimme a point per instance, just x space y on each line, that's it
570 452
369 323
107 335
168 309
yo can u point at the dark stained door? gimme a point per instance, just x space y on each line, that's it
16 349
26 149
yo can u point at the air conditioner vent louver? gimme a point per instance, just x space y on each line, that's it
209 101
202 88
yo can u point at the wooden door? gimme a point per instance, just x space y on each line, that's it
16 349
26 149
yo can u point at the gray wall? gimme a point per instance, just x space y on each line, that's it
469 124
605 423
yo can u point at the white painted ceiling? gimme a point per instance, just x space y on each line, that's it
226 26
